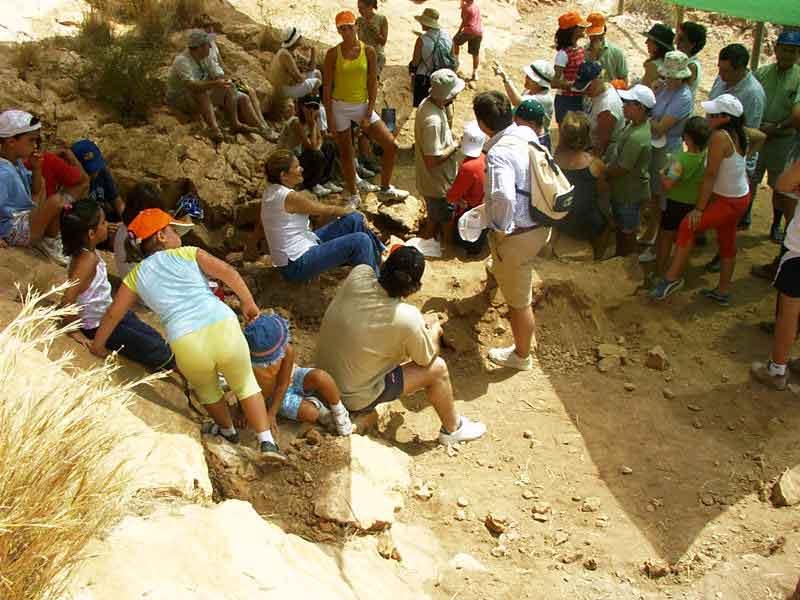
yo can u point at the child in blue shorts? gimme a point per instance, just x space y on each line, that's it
296 393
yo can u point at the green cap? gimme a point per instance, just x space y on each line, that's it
530 110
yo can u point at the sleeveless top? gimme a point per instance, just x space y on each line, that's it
288 234
575 57
731 179
95 300
585 221
694 60
350 77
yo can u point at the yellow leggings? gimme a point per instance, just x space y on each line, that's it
216 348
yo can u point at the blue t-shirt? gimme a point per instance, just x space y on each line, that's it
172 284
103 190
676 103
15 192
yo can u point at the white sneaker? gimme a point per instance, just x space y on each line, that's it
342 423
53 249
333 188
466 432
647 256
320 191
366 186
506 357
392 193
354 200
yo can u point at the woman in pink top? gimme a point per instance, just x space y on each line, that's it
470 32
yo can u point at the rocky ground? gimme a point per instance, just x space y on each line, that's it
635 461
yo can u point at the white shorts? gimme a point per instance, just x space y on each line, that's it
311 81
345 113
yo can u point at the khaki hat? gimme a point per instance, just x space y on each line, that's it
196 38
445 84
675 66
429 18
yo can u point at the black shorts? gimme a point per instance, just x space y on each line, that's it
787 279
422 87
393 388
672 216
473 42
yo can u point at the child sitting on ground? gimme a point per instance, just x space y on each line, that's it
466 191
681 182
203 332
83 227
292 391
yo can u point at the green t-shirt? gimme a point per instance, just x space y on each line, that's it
613 60
634 156
782 89
688 176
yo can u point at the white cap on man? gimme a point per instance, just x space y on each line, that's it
17 122
473 140
726 104
641 94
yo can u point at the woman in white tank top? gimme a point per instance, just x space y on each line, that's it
724 198
300 253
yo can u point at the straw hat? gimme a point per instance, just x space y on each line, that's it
429 18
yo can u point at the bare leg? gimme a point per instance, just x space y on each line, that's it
344 141
307 413
220 413
321 384
726 266
663 250
435 380
255 411
257 107
785 328
206 109
679 261
248 113
45 218
379 134
523 327
475 62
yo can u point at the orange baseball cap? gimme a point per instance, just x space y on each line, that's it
598 24
150 221
345 18
570 20
619 84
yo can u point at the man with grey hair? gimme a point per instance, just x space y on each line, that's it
192 89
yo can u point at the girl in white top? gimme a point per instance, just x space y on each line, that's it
300 253
83 227
536 87
724 198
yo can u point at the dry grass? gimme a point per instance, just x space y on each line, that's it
58 486
27 56
659 10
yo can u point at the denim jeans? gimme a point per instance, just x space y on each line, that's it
345 241
136 340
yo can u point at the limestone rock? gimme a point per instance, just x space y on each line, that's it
406 215
184 553
611 351
657 359
786 491
366 492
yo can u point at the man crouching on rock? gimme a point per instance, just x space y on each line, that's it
514 237
378 348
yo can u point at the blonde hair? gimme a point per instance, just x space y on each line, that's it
575 131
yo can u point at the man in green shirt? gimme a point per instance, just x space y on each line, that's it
629 174
599 50
781 83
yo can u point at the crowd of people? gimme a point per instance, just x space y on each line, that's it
631 160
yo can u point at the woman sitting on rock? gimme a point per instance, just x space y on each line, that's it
304 133
286 78
299 253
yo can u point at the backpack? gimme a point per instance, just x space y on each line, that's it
441 57
551 193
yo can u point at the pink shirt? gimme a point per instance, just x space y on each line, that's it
471 19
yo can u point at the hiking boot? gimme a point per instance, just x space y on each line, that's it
665 288
507 357
366 186
717 296
320 191
765 271
364 173
211 428
466 432
392 193
775 233
53 249
271 452
760 371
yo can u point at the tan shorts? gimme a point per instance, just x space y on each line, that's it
512 263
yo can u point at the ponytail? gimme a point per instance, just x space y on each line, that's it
77 220
735 126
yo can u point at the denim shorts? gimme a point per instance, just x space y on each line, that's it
296 394
626 215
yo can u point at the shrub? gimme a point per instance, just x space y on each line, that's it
659 10
59 485
95 31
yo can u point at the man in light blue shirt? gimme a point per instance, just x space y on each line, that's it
27 218
515 238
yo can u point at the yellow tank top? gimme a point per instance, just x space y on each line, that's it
350 77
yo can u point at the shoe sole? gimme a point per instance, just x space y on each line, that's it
518 368
273 457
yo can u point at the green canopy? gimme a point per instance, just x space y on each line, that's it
779 12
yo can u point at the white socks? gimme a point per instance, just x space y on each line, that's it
228 431
265 436
338 409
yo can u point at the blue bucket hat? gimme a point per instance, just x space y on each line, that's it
89 155
267 337
789 38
